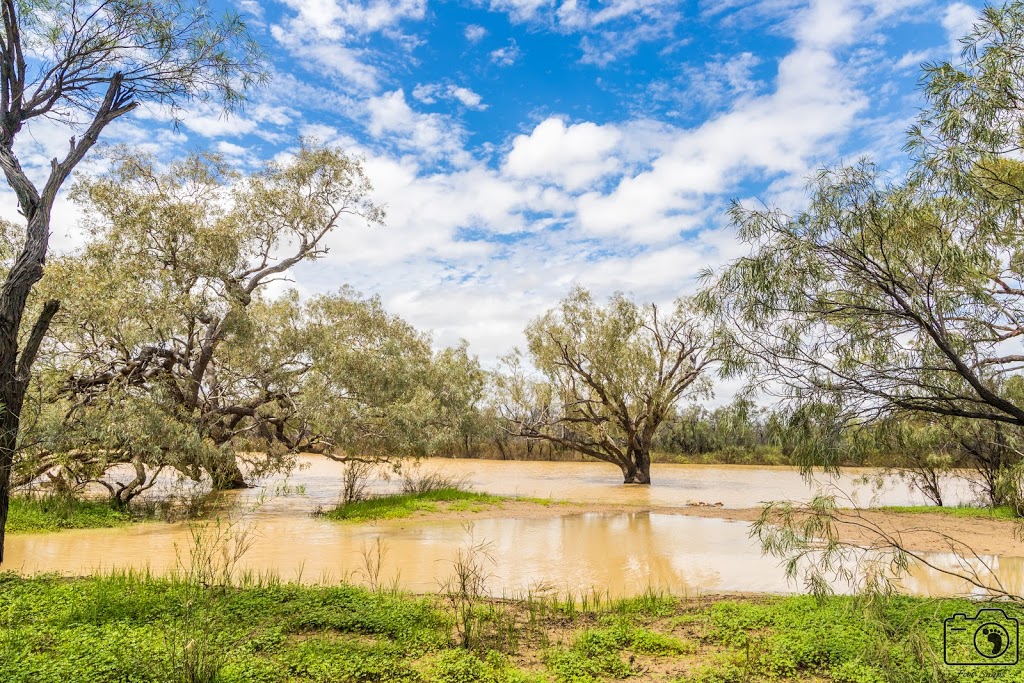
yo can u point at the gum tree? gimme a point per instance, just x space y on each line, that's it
86 65
897 298
612 374
885 298
170 327
376 390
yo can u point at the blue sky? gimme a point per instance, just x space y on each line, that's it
522 146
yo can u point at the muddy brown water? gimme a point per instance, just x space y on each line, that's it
619 553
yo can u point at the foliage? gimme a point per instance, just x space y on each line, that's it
385 390
86 65
167 332
170 355
738 427
612 374
897 297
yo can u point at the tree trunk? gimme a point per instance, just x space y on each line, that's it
9 422
629 473
643 466
227 476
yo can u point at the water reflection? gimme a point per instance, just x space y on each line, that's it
621 553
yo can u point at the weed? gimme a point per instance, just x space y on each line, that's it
355 477
373 561
415 481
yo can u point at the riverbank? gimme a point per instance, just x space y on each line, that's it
919 530
130 627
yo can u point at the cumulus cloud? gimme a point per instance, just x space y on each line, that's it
474 33
570 156
506 56
958 20
430 135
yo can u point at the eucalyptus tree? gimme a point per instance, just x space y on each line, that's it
885 297
376 389
168 326
612 374
86 65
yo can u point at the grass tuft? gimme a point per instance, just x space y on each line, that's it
962 511
36 514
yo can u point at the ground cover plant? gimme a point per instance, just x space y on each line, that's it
406 504
34 514
133 627
962 511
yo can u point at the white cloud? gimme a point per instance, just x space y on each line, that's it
914 59
614 29
828 23
322 31
468 98
431 135
522 10
506 56
474 33
785 132
337 19
958 20
345 62
429 94
723 80
571 156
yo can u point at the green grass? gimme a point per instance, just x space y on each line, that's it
405 504
1004 512
135 628
52 513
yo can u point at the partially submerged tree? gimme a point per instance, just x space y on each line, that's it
612 375
168 317
86 65
376 390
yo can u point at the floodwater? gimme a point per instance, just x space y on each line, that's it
619 553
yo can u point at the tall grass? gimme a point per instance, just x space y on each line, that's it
36 512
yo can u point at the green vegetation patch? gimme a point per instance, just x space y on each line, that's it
135 628
1002 512
34 514
406 504
610 652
